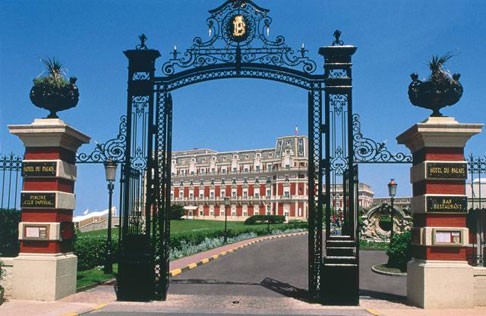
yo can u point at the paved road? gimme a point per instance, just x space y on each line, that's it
274 268
269 277
262 279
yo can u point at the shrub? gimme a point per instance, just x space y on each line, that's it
9 232
91 251
176 212
399 252
261 219
294 224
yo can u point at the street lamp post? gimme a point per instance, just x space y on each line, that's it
392 191
110 173
226 206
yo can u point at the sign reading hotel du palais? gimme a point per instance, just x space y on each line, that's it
39 168
447 170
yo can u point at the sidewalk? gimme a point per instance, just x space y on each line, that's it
102 298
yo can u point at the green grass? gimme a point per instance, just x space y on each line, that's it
89 278
194 225
370 245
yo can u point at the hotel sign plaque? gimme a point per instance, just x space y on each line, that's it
446 170
447 204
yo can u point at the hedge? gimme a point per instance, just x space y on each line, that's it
260 219
91 251
9 232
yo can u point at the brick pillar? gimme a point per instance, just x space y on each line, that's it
46 268
438 274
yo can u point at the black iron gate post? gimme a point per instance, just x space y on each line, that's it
161 224
135 271
315 190
340 268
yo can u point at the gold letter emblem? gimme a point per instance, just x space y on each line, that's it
239 26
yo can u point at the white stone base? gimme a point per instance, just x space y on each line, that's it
440 284
44 277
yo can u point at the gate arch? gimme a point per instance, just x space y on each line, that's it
247 70
241 29
143 145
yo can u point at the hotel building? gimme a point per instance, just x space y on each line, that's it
269 181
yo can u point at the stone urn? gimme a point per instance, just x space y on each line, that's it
440 90
54 92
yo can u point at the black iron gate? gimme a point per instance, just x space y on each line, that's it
239 46
476 218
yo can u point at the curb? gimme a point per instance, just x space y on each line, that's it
376 270
191 266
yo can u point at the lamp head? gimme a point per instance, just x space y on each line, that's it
392 188
110 170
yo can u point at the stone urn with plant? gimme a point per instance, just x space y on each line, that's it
441 89
53 91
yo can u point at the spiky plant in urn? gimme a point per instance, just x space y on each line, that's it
440 90
54 92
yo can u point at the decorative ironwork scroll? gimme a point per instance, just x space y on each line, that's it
239 33
366 150
113 149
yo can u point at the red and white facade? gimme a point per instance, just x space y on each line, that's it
258 182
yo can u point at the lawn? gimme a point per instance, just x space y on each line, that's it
89 278
195 225
192 225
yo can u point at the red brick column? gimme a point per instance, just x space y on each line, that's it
46 268
438 275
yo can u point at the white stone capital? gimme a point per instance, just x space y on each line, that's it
49 133
443 132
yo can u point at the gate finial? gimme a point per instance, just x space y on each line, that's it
142 39
337 41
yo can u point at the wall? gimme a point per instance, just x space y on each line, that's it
7 282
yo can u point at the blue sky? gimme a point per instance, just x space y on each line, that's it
394 39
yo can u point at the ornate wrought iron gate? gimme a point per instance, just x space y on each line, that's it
239 46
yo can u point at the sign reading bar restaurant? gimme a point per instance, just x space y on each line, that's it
447 170
39 168
447 204
38 200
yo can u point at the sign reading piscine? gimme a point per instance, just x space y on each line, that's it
447 170
38 200
446 204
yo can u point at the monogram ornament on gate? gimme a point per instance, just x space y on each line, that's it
239 26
